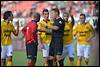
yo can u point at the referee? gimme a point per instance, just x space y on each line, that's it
56 45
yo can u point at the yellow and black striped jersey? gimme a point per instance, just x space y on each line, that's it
6 30
83 32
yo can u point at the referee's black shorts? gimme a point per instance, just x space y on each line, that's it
56 46
31 50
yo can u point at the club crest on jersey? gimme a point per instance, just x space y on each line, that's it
27 27
60 22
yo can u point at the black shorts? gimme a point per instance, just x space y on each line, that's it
56 46
31 50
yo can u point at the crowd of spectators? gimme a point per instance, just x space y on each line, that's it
90 8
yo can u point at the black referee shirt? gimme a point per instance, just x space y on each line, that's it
60 23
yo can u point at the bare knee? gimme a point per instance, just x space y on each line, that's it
58 57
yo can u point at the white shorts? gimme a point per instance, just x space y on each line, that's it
45 50
6 51
68 50
83 50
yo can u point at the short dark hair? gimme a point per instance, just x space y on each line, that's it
45 10
56 10
83 15
37 16
65 12
7 14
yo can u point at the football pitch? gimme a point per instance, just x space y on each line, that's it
20 59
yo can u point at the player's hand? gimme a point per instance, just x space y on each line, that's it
48 31
17 23
43 25
41 46
88 40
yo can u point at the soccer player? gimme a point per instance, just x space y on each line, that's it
56 45
68 38
33 9
84 32
44 36
6 43
30 33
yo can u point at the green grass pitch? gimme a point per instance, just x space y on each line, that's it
20 59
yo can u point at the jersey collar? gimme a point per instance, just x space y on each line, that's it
46 20
33 21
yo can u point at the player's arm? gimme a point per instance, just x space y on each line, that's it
75 31
73 21
46 30
56 27
15 32
53 27
24 30
40 27
92 33
49 31
50 27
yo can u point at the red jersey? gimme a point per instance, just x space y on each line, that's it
30 31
